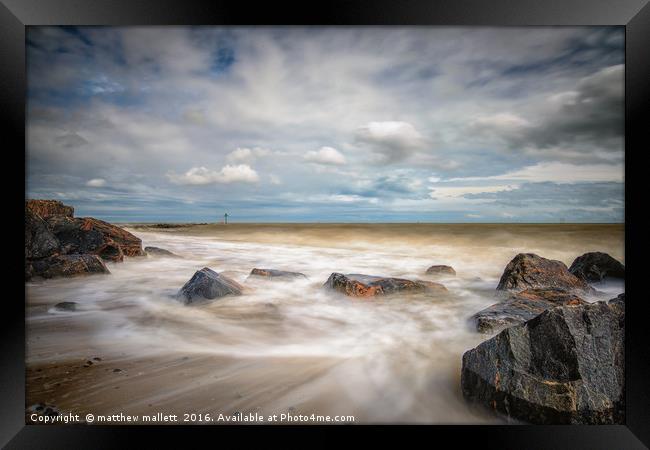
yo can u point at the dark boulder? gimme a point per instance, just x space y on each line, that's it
94 236
49 208
620 300
357 285
206 284
272 273
66 306
441 270
157 251
65 266
596 266
527 270
40 242
520 307
564 366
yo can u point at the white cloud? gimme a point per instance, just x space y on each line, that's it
247 154
502 120
326 155
560 172
241 173
96 182
454 192
346 198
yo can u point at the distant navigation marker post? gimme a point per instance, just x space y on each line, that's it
225 219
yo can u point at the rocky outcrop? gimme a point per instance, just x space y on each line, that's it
520 307
357 285
157 251
40 242
206 284
527 270
441 270
65 266
94 236
58 244
596 266
276 274
49 208
564 366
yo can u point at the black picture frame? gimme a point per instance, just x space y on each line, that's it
634 15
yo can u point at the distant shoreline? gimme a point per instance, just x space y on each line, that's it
186 224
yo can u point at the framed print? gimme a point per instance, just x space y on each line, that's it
416 214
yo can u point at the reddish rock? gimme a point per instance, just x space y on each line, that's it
94 236
49 208
357 285
527 270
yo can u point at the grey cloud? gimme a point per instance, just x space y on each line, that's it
391 141
70 140
608 196
584 123
591 114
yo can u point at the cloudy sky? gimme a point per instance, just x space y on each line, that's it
367 124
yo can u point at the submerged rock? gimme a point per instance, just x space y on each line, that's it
520 307
441 270
357 285
40 242
596 266
206 284
89 235
65 266
565 366
66 306
49 208
157 251
272 273
527 270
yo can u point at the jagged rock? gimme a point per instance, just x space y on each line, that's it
565 366
40 242
620 300
206 284
272 273
49 208
596 266
441 270
65 266
527 270
157 251
520 307
357 285
94 236
66 306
